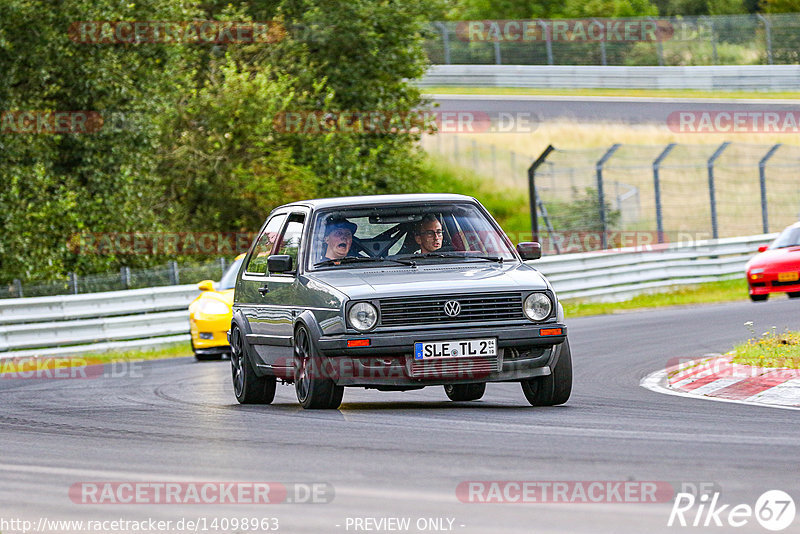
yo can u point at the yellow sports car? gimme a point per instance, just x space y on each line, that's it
210 315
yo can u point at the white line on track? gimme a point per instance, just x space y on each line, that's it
637 99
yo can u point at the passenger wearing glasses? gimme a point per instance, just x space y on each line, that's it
428 234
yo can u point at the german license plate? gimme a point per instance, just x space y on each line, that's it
455 349
788 277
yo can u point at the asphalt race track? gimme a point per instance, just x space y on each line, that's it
629 110
404 454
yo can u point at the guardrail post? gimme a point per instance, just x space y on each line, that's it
474 155
767 35
532 190
711 191
73 283
762 177
445 41
174 276
548 41
497 58
455 148
125 277
18 287
657 189
601 196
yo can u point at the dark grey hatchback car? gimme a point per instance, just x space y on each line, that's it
395 293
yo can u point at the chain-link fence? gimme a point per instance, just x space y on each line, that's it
650 193
673 192
165 275
667 41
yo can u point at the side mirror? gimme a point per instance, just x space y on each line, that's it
762 248
206 285
279 263
530 250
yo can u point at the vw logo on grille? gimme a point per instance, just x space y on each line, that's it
452 308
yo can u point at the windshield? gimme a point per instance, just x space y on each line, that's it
228 280
356 238
788 238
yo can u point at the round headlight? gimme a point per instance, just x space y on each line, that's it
213 307
362 316
537 306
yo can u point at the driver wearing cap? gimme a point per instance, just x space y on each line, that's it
338 239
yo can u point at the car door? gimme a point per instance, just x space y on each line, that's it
251 289
277 305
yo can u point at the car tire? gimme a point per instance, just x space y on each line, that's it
248 387
555 388
794 295
314 390
759 298
465 392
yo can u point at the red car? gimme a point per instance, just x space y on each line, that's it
777 268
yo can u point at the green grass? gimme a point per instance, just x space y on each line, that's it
770 350
653 93
174 350
710 292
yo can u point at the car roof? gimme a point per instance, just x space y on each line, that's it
376 200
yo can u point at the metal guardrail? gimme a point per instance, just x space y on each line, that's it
76 324
618 274
707 78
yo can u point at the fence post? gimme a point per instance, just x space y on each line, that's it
475 155
601 196
125 277
767 35
73 283
494 162
174 276
602 44
455 148
548 41
657 189
714 56
532 190
513 161
711 191
659 45
497 59
18 287
762 176
222 265
445 41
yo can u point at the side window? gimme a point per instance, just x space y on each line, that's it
263 248
290 240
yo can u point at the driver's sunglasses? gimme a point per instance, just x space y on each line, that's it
432 233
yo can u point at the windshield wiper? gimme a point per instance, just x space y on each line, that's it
361 259
497 259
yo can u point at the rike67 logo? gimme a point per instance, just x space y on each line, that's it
774 510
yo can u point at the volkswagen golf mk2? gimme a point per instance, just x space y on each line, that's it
393 293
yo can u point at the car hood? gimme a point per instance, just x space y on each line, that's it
777 259
431 279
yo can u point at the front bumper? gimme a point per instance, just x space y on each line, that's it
388 361
766 285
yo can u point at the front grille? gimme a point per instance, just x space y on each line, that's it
427 310
780 284
463 368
